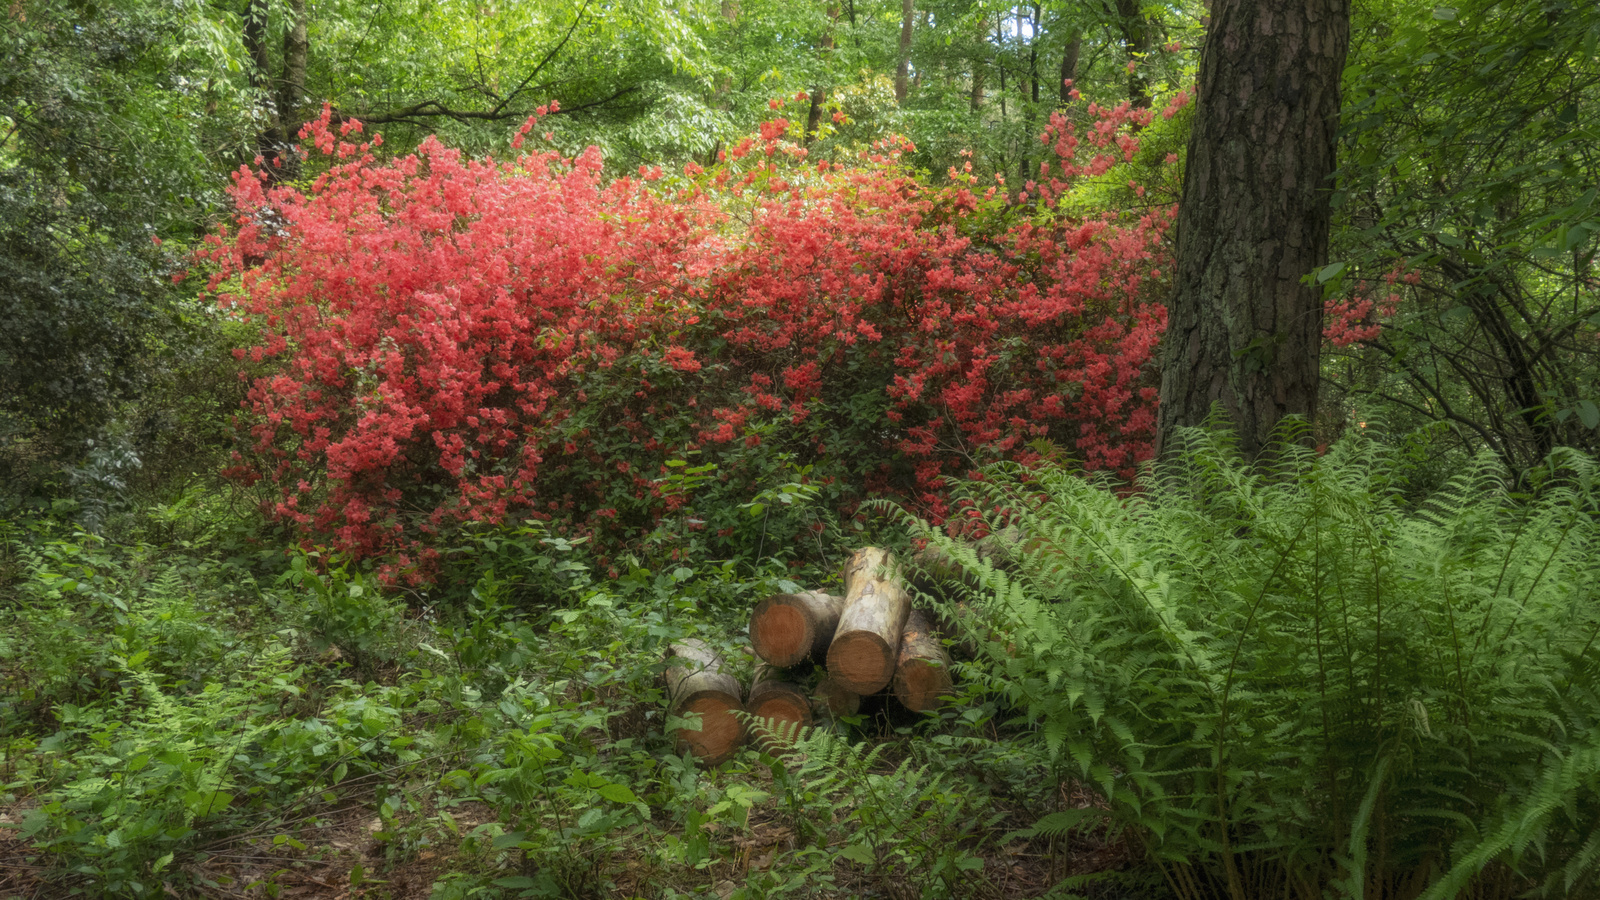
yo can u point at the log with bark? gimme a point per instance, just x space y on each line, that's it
1002 550
780 706
866 646
787 629
922 674
832 700
698 685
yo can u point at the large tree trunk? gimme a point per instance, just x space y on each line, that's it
902 70
1243 329
269 142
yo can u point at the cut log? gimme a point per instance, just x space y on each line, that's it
779 705
866 647
697 685
923 673
832 700
1002 550
787 629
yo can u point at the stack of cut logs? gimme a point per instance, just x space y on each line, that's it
869 639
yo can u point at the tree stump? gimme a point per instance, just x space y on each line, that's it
866 647
697 685
787 629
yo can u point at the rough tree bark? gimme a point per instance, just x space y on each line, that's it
1243 328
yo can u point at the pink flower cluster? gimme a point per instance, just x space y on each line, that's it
459 339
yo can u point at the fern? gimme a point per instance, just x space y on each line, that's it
1286 675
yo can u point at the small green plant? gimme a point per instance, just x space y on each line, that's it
907 828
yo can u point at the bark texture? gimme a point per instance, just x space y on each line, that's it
1138 35
922 674
1069 66
1243 329
902 69
865 648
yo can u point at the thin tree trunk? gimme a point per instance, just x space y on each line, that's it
902 71
818 93
292 86
1000 38
979 72
1069 66
1137 36
269 142
1033 53
1243 328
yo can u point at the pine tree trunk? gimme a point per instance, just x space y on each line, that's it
1243 329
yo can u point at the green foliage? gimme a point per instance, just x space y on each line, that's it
1465 163
117 122
1289 681
905 826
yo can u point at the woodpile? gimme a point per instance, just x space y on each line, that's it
818 655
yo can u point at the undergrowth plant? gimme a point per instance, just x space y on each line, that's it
1289 681
907 828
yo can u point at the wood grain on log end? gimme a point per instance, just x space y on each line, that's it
696 685
780 707
786 629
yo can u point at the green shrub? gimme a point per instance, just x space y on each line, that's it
1290 682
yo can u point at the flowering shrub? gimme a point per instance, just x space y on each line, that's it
1358 319
467 340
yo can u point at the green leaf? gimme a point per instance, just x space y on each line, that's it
205 803
616 792
1588 414
860 853
508 840
1329 271
1060 822
1444 13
